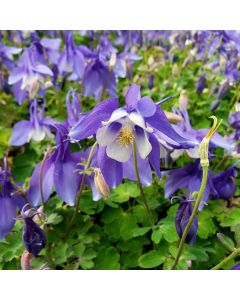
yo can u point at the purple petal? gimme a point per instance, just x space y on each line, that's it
33 194
133 95
159 121
16 75
21 133
111 169
146 107
154 155
93 120
7 215
66 179
144 169
43 70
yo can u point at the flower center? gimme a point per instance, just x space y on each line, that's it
126 136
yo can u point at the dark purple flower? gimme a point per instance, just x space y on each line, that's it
189 177
36 129
60 170
225 183
201 84
34 238
10 201
29 75
182 217
236 267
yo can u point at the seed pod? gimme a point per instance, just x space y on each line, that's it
100 183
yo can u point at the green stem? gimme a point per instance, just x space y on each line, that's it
193 215
78 197
235 253
46 154
140 185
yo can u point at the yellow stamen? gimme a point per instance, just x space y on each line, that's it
126 136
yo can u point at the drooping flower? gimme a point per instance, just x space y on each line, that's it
104 68
36 129
182 217
59 170
189 177
10 201
225 183
34 237
29 75
72 60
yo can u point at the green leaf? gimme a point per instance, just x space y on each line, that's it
151 259
128 224
107 259
23 165
124 191
226 241
156 235
140 231
206 226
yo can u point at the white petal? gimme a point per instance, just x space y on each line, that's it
193 152
38 135
105 136
176 153
118 152
137 119
117 114
143 145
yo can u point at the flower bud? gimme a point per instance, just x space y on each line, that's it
201 84
100 183
26 260
182 217
226 241
175 70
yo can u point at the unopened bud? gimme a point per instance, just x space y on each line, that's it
175 70
26 260
100 183
183 100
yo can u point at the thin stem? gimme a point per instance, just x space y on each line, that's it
193 215
140 185
78 197
46 154
235 253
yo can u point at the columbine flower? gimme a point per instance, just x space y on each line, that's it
34 237
48 49
36 129
182 217
72 59
59 170
9 202
117 129
225 183
189 177
29 75
104 69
